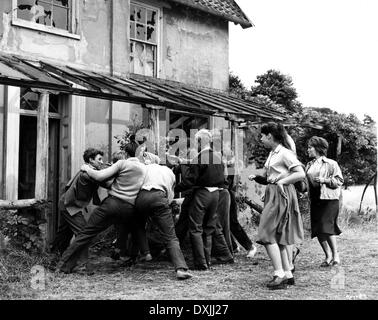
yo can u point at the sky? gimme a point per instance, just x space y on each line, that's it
328 47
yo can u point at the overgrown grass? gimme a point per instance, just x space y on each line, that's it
357 277
16 268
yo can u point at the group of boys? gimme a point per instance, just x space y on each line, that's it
141 190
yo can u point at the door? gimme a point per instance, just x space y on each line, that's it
29 100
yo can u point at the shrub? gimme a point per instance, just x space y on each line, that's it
24 228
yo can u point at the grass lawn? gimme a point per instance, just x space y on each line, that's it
356 278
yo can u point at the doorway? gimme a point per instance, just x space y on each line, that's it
27 166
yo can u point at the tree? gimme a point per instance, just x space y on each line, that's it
368 121
279 88
358 156
236 86
353 143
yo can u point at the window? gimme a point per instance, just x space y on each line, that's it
143 39
55 16
29 100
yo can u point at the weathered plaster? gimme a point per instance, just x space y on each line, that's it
95 27
44 46
195 49
5 28
91 51
121 37
193 46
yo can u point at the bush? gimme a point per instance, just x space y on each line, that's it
24 228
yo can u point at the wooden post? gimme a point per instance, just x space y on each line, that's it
12 141
42 159
211 123
77 133
234 146
154 120
42 168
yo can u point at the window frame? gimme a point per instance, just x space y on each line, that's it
73 31
148 5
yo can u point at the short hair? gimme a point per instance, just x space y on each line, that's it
130 149
204 133
320 145
118 155
91 153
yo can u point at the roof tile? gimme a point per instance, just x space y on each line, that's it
227 9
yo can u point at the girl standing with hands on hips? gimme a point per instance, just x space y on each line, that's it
281 222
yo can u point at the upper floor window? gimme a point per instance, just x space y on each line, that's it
144 35
55 16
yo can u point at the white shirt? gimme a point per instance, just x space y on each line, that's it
279 163
160 178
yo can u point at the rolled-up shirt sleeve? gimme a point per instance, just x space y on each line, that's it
290 160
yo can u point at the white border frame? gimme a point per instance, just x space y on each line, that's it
56 31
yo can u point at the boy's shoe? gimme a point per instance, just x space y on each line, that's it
182 274
237 249
220 261
145 258
83 270
251 253
127 261
201 267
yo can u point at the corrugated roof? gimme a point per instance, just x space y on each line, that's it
143 90
228 9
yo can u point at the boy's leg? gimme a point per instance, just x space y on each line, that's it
100 219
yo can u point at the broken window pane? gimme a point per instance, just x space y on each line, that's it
141 14
151 16
141 32
29 100
143 39
52 13
132 12
151 34
41 13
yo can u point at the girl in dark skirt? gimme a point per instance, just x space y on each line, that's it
325 181
281 222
